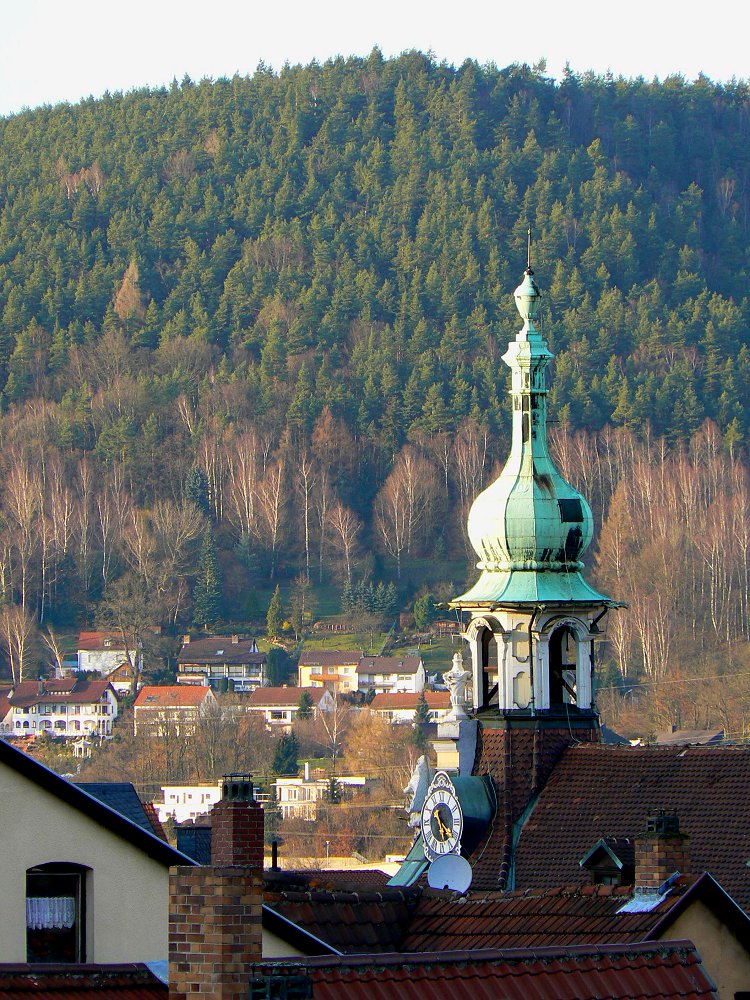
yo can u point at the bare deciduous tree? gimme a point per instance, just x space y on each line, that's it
16 628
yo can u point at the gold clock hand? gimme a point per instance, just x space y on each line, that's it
445 831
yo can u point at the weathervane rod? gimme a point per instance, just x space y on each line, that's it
528 250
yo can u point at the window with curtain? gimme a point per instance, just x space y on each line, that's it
55 913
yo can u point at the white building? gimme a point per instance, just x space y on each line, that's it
184 802
103 652
177 705
62 706
388 674
299 797
279 706
400 706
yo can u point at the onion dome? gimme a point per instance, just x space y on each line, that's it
530 527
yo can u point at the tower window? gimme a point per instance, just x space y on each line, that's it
562 667
571 511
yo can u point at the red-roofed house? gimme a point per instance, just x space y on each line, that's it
177 705
104 651
6 714
400 707
332 668
62 706
353 671
279 705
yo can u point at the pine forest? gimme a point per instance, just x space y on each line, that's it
251 334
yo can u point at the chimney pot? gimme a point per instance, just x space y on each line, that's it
661 851
186 640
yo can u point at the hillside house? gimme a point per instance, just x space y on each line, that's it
332 668
103 652
391 674
6 713
299 796
400 707
171 705
62 706
279 705
222 662
185 802
342 671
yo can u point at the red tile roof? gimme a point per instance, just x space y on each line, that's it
371 920
331 879
4 703
646 972
153 817
66 690
329 658
435 700
600 791
282 696
66 982
93 641
555 917
172 696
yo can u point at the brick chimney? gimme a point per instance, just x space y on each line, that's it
215 911
661 851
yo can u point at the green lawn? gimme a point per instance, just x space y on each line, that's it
368 642
437 656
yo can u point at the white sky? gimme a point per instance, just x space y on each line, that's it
52 51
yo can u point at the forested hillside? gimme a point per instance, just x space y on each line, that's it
292 291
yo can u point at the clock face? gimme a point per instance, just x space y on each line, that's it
442 819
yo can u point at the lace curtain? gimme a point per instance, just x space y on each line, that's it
44 912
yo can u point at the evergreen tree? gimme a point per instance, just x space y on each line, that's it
305 705
196 490
424 611
275 615
207 593
333 791
422 711
285 758
277 666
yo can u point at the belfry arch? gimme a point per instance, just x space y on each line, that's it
563 666
484 636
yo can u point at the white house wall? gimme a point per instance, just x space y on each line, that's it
127 901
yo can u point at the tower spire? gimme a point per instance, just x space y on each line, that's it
529 529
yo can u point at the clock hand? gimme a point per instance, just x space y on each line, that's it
444 830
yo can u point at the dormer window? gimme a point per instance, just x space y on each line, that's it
611 861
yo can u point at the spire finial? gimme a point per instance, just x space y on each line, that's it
528 252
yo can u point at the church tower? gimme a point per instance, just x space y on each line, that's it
534 620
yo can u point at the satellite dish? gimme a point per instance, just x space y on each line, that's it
450 871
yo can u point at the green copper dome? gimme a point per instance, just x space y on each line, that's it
530 527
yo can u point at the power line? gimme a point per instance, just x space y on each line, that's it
674 680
